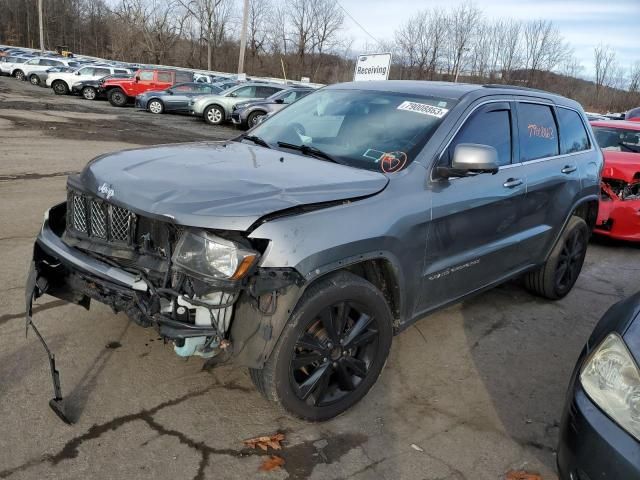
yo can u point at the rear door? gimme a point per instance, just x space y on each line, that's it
163 80
473 237
553 142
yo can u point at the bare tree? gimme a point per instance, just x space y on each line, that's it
462 24
214 16
259 19
603 58
634 78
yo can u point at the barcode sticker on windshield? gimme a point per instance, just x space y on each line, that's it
423 108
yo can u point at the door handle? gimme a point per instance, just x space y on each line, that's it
569 169
512 183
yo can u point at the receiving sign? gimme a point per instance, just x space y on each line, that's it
374 66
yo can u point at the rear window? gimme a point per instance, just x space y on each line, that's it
537 132
573 136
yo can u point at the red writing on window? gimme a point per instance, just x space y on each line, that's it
540 131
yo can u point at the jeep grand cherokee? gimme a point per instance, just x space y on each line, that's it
300 248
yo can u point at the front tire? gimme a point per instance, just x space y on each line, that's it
558 275
59 87
89 93
155 106
331 351
117 97
254 118
214 115
34 80
19 74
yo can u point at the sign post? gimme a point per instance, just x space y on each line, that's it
374 66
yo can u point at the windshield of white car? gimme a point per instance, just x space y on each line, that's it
367 129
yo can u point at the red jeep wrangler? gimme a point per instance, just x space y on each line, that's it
120 90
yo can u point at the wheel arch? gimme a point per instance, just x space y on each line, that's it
585 208
255 334
155 98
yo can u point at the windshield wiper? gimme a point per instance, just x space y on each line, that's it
309 150
255 139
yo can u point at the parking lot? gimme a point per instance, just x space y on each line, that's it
471 392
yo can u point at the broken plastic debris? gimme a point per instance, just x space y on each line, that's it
264 443
521 475
272 463
416 447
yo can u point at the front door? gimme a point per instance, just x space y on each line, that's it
473 237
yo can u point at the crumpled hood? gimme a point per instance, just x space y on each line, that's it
220 185
621 165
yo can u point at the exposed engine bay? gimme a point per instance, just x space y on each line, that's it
621 189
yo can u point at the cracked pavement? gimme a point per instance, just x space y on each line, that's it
479 386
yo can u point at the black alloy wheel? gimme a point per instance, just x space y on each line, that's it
334 354
331 350
570 260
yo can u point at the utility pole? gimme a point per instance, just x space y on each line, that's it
243 36
41 26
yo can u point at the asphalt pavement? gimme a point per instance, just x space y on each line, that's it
470 392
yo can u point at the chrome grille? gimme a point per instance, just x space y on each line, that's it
98 219
120 223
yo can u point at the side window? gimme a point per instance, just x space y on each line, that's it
573 136
491 128
246 92
164 77
86 71
146 76
101 71
47 63
537 132
120 71
55 63
290 97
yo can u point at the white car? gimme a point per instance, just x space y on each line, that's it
8 64
40 64
61 82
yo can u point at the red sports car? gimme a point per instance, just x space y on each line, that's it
619 214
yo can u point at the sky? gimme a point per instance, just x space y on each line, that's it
583 23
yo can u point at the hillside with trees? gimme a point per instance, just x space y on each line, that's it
309 38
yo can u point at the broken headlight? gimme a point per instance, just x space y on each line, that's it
612 380
208 256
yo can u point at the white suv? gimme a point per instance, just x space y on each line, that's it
61 82
40 64
8 64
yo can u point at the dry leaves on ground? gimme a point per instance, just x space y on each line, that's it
264 443
521 475
272 463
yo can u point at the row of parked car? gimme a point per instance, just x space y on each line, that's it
216 99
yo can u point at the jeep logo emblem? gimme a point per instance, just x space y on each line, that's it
106 190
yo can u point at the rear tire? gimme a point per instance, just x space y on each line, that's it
331 350
117 97
60 88
89 93
558 275
34 80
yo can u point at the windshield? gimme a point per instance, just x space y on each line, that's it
373 130
618 139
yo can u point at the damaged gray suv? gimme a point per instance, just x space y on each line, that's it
301 247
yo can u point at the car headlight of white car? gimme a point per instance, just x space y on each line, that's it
612 380
208 256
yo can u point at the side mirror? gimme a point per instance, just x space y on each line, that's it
78 72
279 100
471 159
137 78
233 94
170 92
